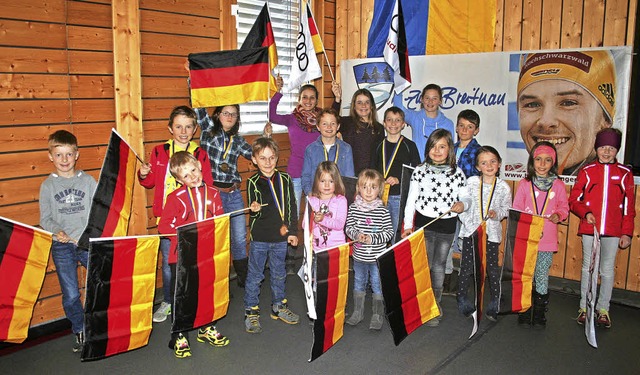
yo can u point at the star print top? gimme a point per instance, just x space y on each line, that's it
432 192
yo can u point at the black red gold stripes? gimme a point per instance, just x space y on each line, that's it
261 35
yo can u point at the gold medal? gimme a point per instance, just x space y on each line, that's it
224 167
283 230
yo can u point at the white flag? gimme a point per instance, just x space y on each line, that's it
305 62
395 50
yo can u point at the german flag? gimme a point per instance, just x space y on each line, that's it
261 35
228 77
202 273
111 205
121 276
24 254
315 36
332 282
479 238
406 286
520 254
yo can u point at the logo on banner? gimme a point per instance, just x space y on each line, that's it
377 77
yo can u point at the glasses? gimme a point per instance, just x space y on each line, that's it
229 114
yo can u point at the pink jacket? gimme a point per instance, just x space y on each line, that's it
330 231
558 203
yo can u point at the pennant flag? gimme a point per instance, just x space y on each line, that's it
520 254
592 290
305 63
416 14
229 77
313 29
406 286
24 254
479 239
332 282
111 205
261 35
121 281
202 273
306 272
396 53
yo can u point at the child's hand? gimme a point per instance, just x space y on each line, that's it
292 240
590 218
364 238
268 130
186 65
63 237
406 233
555 218
279 83
457 207
339 136
491 214
145 168
392 181
337 91
255 206
318 216
625 241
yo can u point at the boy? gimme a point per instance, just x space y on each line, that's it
272 227
65 202
326 148
603 197
467 127
155 174
194 201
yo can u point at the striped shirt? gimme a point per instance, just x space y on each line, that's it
375 223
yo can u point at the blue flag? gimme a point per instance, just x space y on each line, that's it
416 12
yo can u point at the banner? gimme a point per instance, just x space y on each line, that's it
479 238
306 271
305 63
520 254
24 254
396 53
332 283
510 108
111 205
202 273
592 291
121 282
416 14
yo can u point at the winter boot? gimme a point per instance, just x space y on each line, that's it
540 302
378 312
358 308
524 318
240 266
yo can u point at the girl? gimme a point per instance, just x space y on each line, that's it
361 128
434 194
223 144
369 224
542 193
486 198
329 206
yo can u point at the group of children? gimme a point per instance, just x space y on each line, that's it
194 182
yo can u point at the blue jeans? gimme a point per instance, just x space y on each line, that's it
165 246
393 204
258 254
66 257
297 191
238 232
363 273
438 245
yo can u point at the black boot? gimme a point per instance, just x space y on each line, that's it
540 302
524 318
241 271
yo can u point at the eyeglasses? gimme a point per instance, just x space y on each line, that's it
229 114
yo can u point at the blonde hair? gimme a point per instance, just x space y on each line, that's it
180 160
332 170
370 175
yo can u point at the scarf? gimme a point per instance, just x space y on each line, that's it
544 183
439 168
307 120
361 205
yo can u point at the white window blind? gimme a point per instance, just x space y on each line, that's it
284 21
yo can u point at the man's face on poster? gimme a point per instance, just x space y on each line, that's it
564 114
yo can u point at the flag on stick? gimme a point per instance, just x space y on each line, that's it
479 239
121 281
332 283
261 35
229 77
313 28
305 63
520 254
395 52
589 325
24 254
202 273
306 271
111 205
406 286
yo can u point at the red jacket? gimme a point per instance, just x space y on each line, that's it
159 167
606 191
179 210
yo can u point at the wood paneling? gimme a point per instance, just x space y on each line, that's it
88 14
33 86
32 60
34 10
90 62
32 34
89 38
25 112
183 25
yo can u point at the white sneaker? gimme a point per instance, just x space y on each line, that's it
161 314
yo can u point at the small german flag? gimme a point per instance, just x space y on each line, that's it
261 35
332 282
24 254
520 254
121 276
229 77
202 273
313 29
406 286
111 205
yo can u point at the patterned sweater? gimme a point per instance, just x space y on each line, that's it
375 223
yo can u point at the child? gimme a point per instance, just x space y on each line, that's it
424 122
389 157
65 201
272 227
434 194
182 126
487 198
194 201
369 224
329 205
550 202
602 197
220 139
326 148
